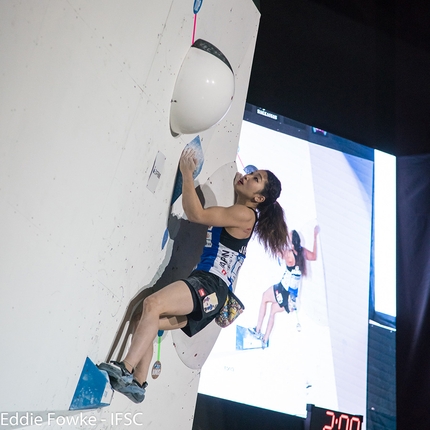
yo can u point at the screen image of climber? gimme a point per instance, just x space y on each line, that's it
303 337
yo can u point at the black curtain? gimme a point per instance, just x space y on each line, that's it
413 293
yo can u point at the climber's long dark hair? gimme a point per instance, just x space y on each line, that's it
271 228
300 257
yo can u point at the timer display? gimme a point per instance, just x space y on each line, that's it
328 419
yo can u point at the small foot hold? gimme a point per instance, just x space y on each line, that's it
93 390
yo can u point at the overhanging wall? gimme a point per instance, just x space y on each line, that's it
85 97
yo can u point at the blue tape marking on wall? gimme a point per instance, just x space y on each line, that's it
197 146
93 390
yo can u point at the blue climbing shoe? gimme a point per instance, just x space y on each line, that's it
256 333
123 382
135 392
118 374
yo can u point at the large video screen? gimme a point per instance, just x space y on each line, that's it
303 337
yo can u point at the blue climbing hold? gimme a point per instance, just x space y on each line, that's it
93 389
196 145
165 238
197 6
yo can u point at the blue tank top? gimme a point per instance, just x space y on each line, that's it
223 254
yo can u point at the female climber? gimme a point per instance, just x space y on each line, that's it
283 295
191 304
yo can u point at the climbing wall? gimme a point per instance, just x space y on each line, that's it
85 92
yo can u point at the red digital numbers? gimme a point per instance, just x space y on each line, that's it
355 420
343 418
331 426
344 422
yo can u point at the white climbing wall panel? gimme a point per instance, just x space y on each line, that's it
85 91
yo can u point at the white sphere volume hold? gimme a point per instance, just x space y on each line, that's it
203 91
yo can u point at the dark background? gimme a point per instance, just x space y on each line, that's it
358 69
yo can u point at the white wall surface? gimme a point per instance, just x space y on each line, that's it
85 89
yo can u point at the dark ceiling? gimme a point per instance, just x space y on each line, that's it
356 68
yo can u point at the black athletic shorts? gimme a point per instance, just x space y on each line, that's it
281 296
209 294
